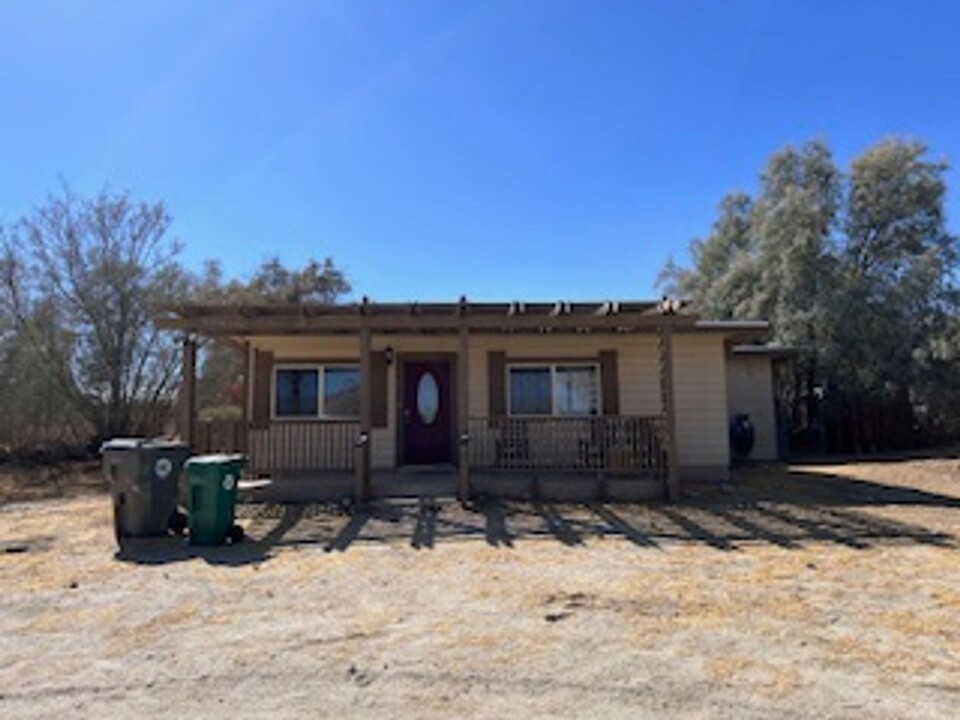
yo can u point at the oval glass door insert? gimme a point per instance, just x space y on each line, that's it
428 398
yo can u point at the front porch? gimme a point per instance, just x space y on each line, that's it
596 417
605 458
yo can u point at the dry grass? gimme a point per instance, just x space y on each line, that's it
827 591
47 482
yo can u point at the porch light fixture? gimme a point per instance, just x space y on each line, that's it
388 355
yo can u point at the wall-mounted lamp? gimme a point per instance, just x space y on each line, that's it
388 355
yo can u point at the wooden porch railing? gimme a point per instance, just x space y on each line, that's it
283 446
620 445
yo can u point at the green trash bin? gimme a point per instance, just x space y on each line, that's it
212 497
144 476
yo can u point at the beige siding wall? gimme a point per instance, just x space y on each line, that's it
303 347
700 380
750 391
700 391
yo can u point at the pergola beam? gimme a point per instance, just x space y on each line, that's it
235 324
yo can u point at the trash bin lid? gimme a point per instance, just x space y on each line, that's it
137 443
164 444
219 459
122 444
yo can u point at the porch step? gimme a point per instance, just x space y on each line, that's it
430 482
429 470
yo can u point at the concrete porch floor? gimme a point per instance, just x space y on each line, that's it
440 482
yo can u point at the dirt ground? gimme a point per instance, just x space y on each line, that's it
47 482
820 591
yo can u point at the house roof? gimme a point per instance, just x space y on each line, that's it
771 350
437 317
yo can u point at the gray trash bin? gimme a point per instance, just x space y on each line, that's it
144 477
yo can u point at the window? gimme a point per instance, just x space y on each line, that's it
530 391
297 392
341 391
428 398
575 390
553 389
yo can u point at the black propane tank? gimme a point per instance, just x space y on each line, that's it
741 435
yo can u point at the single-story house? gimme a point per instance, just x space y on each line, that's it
627 399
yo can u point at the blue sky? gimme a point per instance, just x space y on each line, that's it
542 150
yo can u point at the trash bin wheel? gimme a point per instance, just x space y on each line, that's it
235 534
177 523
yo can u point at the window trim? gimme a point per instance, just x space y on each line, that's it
552 366
320 368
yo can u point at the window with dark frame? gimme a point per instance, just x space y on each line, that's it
322 392
562 389
295 393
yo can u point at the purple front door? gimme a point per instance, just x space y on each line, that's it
426 412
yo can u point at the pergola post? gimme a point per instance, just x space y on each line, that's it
669 406
244 441
188 389
362 457
463 416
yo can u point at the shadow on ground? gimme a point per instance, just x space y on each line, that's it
786 509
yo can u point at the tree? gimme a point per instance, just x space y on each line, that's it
896 301
722 283
220 381
80 282
30 394
856 271
81 279
792 222
221 366
318 281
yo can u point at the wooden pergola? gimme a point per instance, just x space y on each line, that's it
463 318
517 316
